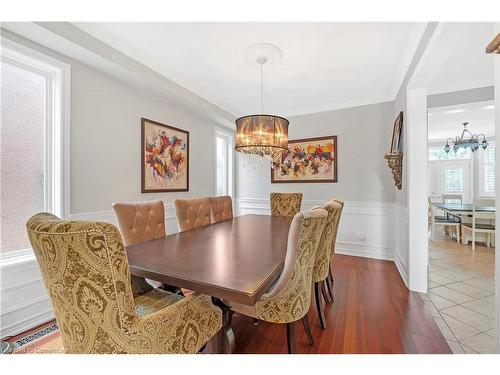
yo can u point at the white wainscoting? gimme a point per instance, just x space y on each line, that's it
367 229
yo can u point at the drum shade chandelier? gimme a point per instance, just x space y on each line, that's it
262 136
466 140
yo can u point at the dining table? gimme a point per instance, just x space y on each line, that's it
236 260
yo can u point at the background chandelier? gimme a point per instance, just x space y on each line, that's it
474 141
262 136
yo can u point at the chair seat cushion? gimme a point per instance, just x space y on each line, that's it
153 301
480 226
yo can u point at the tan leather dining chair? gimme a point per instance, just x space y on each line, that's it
221 209
138 222
321 270
192 213
86 272
289 298
285 204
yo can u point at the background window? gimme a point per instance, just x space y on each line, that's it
453 180
224 162
22 153
487 171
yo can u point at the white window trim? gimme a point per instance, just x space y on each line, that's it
481 160
229 135
57 130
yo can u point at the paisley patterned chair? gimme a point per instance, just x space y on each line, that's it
192 213
138 222
289 298
321 270
221 209
85 270
285 204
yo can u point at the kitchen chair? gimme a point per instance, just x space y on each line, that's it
221 209
324 254
85 270
480 227
289 298
138 222
285 204
445 221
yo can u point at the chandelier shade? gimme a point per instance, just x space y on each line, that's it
263 135
466 140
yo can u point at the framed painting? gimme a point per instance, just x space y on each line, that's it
307 160
396 134
164 157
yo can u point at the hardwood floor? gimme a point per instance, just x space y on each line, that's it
373 312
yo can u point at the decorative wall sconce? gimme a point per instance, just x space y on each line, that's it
395 156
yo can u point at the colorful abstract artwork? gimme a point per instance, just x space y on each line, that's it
165 157
307 160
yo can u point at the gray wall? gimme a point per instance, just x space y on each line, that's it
106 138
364 135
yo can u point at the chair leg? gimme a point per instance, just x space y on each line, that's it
458 233
255 321
290 337
329 280
319 307
324 292
307 328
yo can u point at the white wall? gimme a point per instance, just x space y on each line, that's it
105 168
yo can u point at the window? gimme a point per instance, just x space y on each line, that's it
487 171
33 142
224 162
453 180
438 153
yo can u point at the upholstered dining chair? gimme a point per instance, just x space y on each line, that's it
85 270
289 298
329 280
138 222
321 270
285 204
192 213
221 209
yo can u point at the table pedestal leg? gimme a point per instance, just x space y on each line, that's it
227 343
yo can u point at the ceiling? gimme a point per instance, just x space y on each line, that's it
466 64
324 66
446 122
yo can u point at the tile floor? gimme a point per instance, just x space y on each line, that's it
461 294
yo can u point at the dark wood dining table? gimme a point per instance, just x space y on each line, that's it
236 260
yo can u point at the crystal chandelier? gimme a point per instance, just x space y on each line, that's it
262 137
473 141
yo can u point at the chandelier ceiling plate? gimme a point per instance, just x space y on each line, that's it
262 53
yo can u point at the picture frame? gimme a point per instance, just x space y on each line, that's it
308 160
396 134
164 157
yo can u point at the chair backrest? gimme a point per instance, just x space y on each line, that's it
452 198
192 213
285 204
489 215
326 246
290 297
140 221
86 272
221 208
